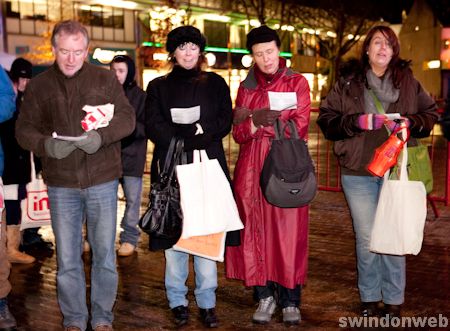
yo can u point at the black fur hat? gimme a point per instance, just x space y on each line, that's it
185 34
262 34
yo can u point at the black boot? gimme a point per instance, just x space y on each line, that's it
181 315
209 317
391 311
32 239
7 320
369 309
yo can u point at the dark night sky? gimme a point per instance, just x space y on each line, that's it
392 9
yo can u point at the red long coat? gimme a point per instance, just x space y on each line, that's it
274 242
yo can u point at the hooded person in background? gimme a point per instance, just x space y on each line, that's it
134 151
185 86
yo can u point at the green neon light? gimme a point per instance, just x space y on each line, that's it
218 49
237 51
149 43
226 50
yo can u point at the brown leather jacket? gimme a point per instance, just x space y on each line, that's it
345 102
53 103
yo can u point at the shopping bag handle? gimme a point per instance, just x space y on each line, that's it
405 136
199 155
33 167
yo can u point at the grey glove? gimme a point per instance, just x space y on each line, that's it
91 143
58 149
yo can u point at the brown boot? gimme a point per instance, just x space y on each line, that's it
12 243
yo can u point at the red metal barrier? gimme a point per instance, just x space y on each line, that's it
328 174
327 168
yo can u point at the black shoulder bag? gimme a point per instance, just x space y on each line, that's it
287 178
163 217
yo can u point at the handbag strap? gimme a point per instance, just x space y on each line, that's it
280 129
379 107
174 157
169 155
377 102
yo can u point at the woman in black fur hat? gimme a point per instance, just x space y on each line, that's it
187 86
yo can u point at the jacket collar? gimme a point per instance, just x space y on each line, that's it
61 74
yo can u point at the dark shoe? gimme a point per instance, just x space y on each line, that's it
7 320
181 315
369 309
209 317
391 311
32 239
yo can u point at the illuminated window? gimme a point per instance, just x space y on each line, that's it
100 16
216 33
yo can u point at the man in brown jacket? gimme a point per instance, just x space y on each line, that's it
81 173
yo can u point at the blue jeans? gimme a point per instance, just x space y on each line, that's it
380 276
177 271
69 206
132 188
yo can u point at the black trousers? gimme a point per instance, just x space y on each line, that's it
286 297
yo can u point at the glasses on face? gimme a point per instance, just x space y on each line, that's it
66 52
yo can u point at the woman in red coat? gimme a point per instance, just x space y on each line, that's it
273 256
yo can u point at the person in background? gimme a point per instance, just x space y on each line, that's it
349 117
17 172
273 256
134 152
81 175
20 74
186 86
7 108
17 169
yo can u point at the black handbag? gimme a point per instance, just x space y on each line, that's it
287 178
163 217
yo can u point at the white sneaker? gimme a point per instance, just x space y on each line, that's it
263 313
291 315
126 249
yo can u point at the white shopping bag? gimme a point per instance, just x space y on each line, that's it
35 207
206 198
400 216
